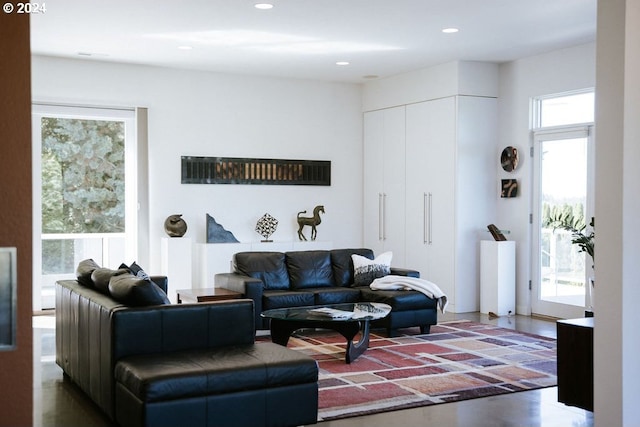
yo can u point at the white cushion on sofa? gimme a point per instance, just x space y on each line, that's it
365 270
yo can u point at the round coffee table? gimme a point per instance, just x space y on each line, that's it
346 319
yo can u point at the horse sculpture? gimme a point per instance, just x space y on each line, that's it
313 222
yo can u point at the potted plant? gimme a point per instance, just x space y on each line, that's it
580 236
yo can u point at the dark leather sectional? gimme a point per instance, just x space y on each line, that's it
320 277
180 365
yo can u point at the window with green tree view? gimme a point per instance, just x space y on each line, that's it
82 184
84 191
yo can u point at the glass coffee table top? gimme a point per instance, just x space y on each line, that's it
347 319
331 312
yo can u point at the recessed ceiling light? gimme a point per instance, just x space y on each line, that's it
185 47
263 6
342 63
450 30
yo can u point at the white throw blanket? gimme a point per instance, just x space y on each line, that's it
394 283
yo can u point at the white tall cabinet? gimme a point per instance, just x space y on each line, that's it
384 182
449 185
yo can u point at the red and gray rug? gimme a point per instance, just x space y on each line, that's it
458 360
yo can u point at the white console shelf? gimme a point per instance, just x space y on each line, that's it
213 258
498 277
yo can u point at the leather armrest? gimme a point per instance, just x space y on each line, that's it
249 287
405 272
162 281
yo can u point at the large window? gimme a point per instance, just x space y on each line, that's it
84 191
562 142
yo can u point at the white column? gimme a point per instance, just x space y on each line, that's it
617 207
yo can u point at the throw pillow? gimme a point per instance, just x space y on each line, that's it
84 271
366 270
102 276
136 270
134 291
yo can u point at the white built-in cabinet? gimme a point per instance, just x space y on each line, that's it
384 182
442 167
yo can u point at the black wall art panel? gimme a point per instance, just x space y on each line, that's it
233 170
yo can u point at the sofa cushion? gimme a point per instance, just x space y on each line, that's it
335 295
399 300
102 276
366 270
168 376
283 299
309 269
267 266
84 271
342 264
132 290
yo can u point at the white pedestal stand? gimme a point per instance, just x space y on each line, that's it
498 277
176 264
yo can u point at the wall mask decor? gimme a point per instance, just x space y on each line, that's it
509 188
509 159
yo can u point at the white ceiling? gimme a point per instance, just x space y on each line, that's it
305 38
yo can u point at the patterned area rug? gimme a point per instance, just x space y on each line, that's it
458 360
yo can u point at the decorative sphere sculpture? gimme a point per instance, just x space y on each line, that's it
175 226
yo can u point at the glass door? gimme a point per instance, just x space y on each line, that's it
561 178
84 195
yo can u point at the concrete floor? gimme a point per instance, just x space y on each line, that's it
59 403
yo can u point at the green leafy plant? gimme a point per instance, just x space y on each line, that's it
580 236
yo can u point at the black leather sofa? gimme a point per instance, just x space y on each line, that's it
184 364
320 277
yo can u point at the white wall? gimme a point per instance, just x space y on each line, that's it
208 114
554 72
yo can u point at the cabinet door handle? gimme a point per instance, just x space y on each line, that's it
425 224
430 223
384 216
380 216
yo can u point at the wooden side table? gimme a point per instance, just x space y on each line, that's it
575 362
207 295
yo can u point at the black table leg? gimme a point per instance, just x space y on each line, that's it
281 330
355 350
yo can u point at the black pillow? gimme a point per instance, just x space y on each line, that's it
102 276
136 270
84 271
132 290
